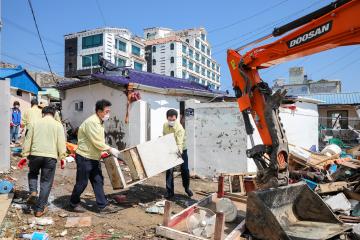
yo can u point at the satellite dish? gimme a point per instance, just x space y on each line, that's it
201 223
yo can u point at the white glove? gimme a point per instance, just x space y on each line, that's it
114 152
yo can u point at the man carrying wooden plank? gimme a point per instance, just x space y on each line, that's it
44 144
174 126
91 145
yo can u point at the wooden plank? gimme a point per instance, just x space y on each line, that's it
5 202
237 232
239 174
137 163
159 155
354 164
331 187
175 234
242 186
351 194
167 213
219 226
127 157
115 174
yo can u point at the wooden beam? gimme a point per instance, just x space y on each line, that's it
237 232
137 163
175 234
167 213
219 226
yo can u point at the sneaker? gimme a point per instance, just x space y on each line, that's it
168 195
76 208
189 192
108 209
32 199
41 213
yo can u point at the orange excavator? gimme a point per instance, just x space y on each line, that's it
334 25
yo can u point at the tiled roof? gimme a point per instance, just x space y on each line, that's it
336 98
146 79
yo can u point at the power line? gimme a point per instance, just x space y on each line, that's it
25 62
8 21
101 12
342 68
42 44
247 18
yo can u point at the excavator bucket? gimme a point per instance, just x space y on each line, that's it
291 212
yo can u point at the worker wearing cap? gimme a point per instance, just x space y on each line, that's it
44 144
174 126
31 115
91 145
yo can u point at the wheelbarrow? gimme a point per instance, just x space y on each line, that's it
291 212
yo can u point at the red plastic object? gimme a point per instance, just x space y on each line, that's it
120 198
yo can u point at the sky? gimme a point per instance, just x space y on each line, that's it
230 24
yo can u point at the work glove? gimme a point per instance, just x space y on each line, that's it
114 152
62 163
22 125
22 163
104 155
12 124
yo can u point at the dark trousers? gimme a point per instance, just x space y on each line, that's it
185 175
47 166
88 169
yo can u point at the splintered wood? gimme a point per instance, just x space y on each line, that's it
143 161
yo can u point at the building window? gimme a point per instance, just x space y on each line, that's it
19 92
197 68
154 48
172 73
208 73
197 44
191 65
135 50
208 63
154 62
183 74
184 49
197 56
191 52
92 41
172 60
338 119
213 66
203 71
217 68
203 36
203 60
208 51
138 66
213 76
184 62
70 67
120 62
79 106
187 40
203 48
120 45
91 60
172 46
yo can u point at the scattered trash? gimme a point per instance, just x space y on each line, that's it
35 236
44 221
63 215
144 205
69 159
5 186
356 229
157 208
339 203
78 222
63 233
226 206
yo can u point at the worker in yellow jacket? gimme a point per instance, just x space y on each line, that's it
44 144
31 115
174 126
91 145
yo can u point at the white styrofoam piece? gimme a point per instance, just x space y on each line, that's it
159 155
339 202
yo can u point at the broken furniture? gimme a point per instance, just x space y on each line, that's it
176 226
239 183
143 161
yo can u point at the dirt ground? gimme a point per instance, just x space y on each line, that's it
131 222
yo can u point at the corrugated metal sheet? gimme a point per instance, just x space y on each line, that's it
20 79
336 98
